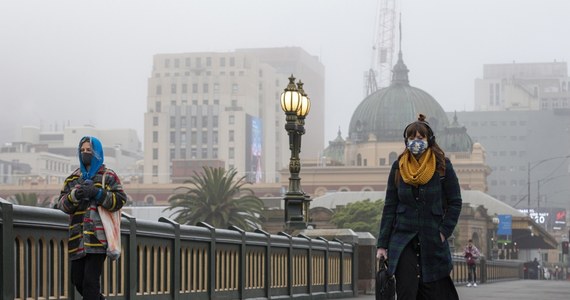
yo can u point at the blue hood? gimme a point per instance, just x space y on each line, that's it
96 161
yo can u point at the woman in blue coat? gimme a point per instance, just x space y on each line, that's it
422 205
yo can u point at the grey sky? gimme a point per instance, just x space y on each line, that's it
89 61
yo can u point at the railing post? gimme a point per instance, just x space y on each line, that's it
175 257
242 265
326 265
341 274
7 261
289 264
131 288
212 257
268 263
355 271
309 265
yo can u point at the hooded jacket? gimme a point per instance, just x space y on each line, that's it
86 232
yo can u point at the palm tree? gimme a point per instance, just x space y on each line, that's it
216 198
30 199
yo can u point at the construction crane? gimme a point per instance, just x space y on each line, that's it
383 49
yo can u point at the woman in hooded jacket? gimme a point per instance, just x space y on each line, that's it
422 206
80 196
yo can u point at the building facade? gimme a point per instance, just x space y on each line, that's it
224 106
523 86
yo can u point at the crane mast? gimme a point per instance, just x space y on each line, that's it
383 49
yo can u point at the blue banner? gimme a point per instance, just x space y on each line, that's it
505 225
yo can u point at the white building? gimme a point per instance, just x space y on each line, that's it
51 156
523 86
224 107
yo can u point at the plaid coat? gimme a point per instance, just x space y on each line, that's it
405 216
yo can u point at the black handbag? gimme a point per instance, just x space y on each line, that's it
385 283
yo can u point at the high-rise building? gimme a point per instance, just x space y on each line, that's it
523 86
212 107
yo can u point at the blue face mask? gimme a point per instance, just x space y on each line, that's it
417 146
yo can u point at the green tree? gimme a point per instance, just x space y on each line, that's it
30 199
360 216
217 198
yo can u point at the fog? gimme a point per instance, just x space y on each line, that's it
87 62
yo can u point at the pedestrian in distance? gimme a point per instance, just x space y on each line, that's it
422 206
471 254
82 193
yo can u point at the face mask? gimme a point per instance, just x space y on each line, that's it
86 158
417 146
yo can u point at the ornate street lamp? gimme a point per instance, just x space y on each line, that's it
296 105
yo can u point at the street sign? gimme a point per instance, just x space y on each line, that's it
505 225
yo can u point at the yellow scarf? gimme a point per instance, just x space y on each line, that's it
416 172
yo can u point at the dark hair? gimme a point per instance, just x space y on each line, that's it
421 126
470 241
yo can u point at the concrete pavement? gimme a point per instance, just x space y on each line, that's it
518 290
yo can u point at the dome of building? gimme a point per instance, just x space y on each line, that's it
455 138
386 112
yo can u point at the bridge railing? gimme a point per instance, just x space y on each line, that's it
166 260
486 270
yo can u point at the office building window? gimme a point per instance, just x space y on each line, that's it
183 153
154 153
187 62
231 153
157 106
167 63
208 61
172 137
222 61
184 88
173 88
231 120
193 153
183 122
204 121
235 87
158 90
215 121
154 171
155 121
172 122
204 153
155 136
216 87
205 88
194 88
198 62
204 138
215 137
231 135
177 63
172 153
214 153
232 61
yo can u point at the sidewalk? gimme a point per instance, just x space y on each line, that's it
519 290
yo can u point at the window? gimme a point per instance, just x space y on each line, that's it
231 153
157 106
204 152
155 121
154 153
198 62
172 137
173 88
167 63
382 161
193 138
205 88
216 87
155 136
222 61
194 88
177 63
193 153
204 121
214 153
232 61
193 121
187 63
183 121
216 101
184 88
183 138
158 90
172 153
231 135
215 137
182 153
204 138
215 121
208 61
231 120
235 87
154 171
205 101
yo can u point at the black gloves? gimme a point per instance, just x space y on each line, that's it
87 191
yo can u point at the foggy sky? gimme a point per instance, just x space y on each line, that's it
87 62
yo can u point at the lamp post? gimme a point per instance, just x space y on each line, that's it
494 249
296 105
532 166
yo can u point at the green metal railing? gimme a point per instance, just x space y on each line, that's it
166 260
